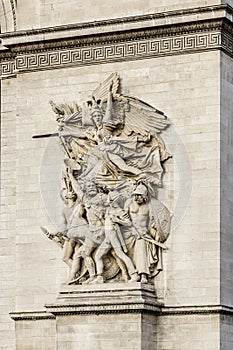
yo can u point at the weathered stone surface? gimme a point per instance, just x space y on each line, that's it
193 87
106 298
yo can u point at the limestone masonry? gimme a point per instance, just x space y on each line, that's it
116 175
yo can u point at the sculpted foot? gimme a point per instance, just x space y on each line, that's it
144 278
89 280
98 280
134 277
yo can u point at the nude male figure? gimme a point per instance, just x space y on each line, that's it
93 206
114 240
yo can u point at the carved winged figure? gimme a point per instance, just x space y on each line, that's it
113 136
113 140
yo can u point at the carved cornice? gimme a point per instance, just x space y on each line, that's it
195 310
109 298
8 69
124 51
120 37
121 45
181 14
71 309
31 315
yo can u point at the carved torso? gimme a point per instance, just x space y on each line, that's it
139 214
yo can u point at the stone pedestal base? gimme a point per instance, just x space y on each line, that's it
115 316
106 317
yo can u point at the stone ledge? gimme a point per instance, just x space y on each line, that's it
159 310
114 25
193 310
31 315
106 298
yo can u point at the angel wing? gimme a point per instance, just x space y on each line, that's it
71 114
74 119
102 90
142 117
77 116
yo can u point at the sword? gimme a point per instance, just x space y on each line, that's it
151 240
45 135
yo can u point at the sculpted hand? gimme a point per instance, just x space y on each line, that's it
135 233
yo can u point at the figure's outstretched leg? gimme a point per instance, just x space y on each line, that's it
129 264
101 251
121 266
76 264
88 247
68 249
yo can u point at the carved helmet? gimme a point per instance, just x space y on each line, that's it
95 106
113 196
141 189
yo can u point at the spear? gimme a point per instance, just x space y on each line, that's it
55 134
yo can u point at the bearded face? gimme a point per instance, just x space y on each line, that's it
140 198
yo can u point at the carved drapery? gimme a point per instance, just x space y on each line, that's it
113 225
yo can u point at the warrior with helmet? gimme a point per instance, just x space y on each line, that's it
150 220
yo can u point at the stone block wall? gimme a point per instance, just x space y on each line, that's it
172 84
36 334
226 137
226 236
226 327
187 90
192 85
99 332
196 332
191 101
53 13
8 213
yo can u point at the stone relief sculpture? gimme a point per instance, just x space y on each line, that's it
114 226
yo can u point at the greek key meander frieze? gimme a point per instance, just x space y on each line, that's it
118 51
7 68
215 34
114 52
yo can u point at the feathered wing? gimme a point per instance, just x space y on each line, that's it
73 114
76 116
143 118
74 119
102 90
